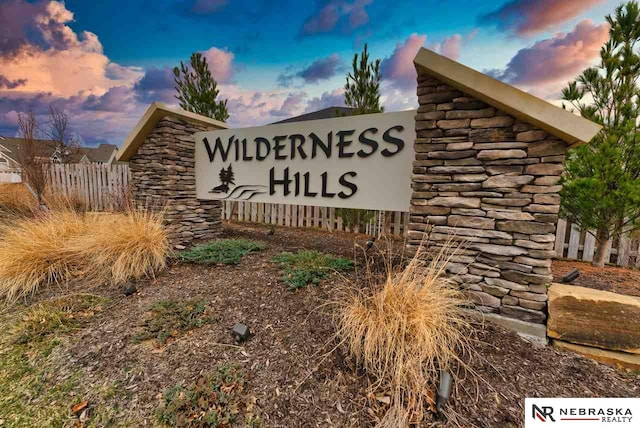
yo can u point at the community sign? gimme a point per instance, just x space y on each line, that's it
346 162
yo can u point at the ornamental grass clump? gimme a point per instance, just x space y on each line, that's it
36 252
403 332
16 201
122 247
58 247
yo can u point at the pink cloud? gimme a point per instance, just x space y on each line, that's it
546 66
253 108
331 13
398 69
527 17
334 98
450 46
59 61
220 63
291 106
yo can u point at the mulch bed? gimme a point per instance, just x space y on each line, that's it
292 374
609 278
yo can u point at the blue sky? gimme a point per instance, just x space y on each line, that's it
105 61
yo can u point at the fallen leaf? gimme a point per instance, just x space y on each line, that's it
81 405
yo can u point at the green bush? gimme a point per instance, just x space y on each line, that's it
170 318
224 251
213 400
309 267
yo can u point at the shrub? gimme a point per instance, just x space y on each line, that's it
224 251
169 318
213 400
59 246
309 267
403 332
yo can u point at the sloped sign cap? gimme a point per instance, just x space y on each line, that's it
556 121
151 117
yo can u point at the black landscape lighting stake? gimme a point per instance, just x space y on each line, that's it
444 390
241 332
570 277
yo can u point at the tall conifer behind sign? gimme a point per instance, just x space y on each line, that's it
602 181
197 89
362 90
362 93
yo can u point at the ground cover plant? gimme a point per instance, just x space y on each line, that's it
308 267
223 251
169 319
59 246
214 400
404 331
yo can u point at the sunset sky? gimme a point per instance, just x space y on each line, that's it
105 61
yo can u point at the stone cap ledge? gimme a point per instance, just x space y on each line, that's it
571 128
150 119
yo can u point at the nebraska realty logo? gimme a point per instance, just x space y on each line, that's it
582 412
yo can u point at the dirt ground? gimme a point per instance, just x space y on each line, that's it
609 278
292 376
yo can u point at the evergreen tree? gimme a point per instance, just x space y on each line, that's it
602 181
197 89
362 93
362 90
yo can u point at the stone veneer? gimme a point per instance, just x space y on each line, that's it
493 181
163 177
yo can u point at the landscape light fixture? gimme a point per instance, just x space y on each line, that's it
241 332
444 390
570 277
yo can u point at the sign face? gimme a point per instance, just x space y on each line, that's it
347 162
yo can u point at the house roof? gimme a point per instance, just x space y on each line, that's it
151 117
557 121
326 113
102 153
9 147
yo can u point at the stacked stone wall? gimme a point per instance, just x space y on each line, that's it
163 178
491 180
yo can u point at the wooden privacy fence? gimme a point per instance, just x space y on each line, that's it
309 216
571 242
576 244
102 187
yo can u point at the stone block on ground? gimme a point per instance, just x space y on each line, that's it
594 318
617 359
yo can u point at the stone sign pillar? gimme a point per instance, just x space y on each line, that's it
492 180
163 178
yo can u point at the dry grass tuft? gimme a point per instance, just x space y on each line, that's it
56 201
57 247
16 201
35 252
403 332
122 247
